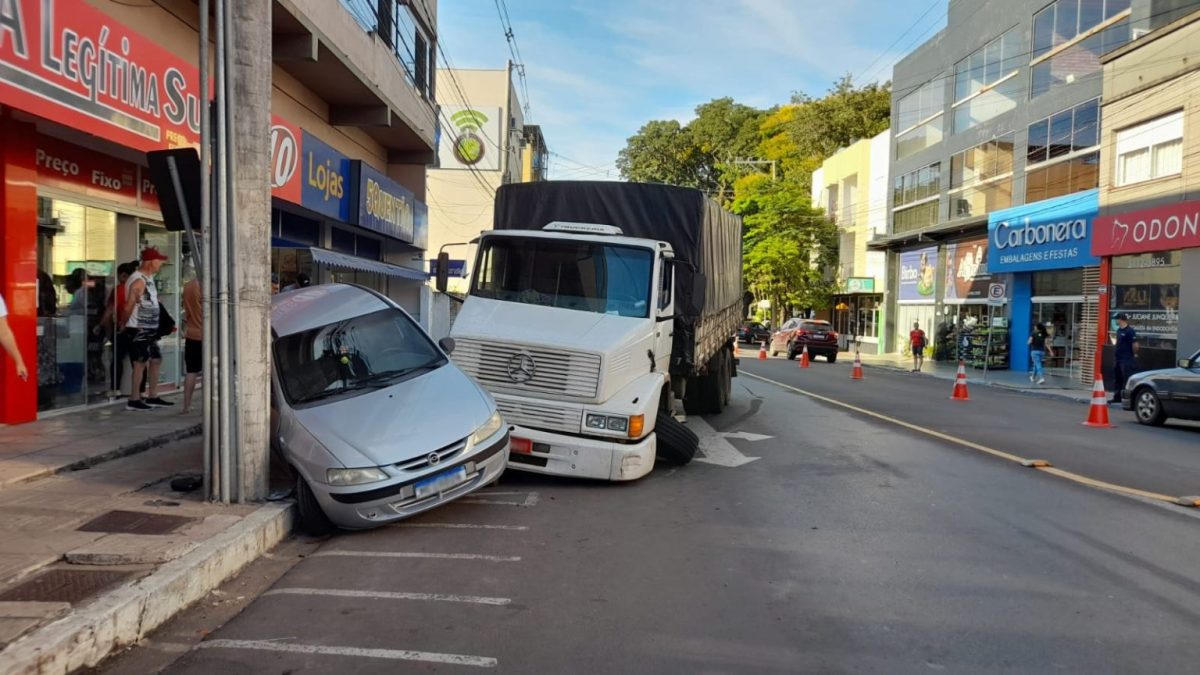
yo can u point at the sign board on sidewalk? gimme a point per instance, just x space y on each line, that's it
997 294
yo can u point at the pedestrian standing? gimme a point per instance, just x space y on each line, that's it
193 334
1124 355
113 323
142 308
9 342
1038 351
917 340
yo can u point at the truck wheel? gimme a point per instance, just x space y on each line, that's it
693 398
312 519
712 385
677 444
727 375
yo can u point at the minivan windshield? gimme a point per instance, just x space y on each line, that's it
584 276
364 352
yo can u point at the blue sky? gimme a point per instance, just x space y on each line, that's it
599 70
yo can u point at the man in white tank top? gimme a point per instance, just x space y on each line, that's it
141 306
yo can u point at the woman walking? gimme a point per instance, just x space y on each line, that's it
1038 350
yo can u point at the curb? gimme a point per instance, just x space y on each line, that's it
994 385
123 451
130 612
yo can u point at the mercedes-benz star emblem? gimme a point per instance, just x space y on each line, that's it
433 458
521 368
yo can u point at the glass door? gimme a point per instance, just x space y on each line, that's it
1063 318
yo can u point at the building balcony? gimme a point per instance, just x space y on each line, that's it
369 77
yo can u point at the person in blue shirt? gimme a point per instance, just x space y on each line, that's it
1124 355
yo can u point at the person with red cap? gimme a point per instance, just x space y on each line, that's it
141 306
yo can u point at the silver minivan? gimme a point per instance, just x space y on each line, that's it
376 421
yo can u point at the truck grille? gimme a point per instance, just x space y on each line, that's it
554 371
539 416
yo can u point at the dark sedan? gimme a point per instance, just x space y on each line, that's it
754 333
1155 395
797 334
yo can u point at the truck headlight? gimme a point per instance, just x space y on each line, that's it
354 476
597 421
487 430
630 427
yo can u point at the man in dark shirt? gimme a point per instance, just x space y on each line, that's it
1124 355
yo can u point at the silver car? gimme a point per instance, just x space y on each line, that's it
376 421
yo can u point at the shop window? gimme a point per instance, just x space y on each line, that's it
1058 283
298 229
1147 288
1150 150
342 241
369 247
915 218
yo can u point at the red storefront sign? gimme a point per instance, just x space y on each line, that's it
286 151
70 167
1163 228
69 62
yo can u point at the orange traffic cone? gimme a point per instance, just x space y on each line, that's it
762 352
960 384
737 352
804 357
857 373
1098 413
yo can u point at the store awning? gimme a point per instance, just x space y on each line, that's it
335 259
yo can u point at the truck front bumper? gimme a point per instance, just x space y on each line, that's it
563 455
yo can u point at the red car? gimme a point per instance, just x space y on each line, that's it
796 334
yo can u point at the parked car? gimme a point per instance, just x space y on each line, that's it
816 334
375 420
1155 395
754 333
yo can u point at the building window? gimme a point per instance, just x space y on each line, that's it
919 118
1062 156
831 196
984 82
981 178
1070 36
1150 150
915 198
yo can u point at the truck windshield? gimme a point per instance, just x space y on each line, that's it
584 276
361 353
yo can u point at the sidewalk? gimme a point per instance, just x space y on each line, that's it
96 549
1016 380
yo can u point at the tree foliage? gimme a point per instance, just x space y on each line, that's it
789 245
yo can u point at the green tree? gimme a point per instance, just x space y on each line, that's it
661 152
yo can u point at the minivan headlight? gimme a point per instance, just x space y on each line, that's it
354 476
487 430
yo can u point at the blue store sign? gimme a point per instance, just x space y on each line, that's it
1047 235
327 184
384 206
457 268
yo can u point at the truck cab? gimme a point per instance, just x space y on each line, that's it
570 328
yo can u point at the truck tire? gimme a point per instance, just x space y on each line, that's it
677 444
712 388
692 398
727 374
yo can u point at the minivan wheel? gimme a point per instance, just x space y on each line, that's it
832 358
676 443
1148 408
312 519
791 352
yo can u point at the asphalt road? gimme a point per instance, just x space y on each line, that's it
848 545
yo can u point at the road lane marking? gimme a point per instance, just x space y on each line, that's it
464 526
389 595
389 654
417 554
716 447
1074 477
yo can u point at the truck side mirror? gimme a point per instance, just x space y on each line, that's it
447 344
443 271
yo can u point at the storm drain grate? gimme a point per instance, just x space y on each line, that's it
135 522
61 585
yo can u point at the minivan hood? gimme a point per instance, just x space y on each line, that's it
407 420
496 320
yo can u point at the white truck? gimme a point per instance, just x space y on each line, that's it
594 309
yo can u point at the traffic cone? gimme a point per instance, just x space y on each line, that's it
857 373
762 352
804 357
737 352
1098 413
960 384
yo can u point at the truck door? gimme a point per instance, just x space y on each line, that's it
664 326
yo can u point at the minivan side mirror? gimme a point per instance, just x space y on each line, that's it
447 344
443 272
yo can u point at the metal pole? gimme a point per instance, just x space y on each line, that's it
225 371
235 419
987 350
206 284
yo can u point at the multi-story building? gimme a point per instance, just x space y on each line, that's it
87 88
484 143
1148 232
852 187
995 174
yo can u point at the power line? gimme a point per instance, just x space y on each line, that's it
888 49
513 48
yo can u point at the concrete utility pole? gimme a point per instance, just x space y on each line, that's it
251 227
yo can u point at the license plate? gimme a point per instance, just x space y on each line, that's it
820 336
441 482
